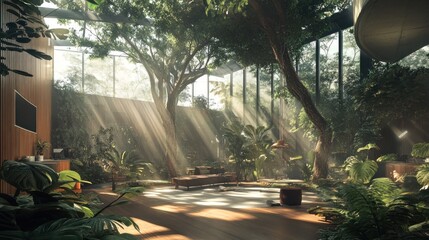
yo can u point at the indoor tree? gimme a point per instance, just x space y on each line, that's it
173 40
273 32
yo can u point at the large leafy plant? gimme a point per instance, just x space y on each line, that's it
124 163
44 213
420 150
361 169
248 147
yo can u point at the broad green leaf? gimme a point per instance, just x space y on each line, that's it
369 146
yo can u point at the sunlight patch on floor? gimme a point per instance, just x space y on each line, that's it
172 208
151 231
233 198
221 214
288 212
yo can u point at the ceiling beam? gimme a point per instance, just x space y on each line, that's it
88 16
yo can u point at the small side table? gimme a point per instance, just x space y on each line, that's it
291 196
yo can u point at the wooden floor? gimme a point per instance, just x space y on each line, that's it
164 219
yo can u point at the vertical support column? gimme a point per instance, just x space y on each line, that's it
282 109
208 90
83 72
244 93
297 66
258 97
317 71
272 93
231 89
193 93
114 76
340 67
365 65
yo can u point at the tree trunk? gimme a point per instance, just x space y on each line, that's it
297 89
300 92
170 147
168 118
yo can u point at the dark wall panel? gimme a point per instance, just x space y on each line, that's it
16 142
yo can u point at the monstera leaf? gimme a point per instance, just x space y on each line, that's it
27 176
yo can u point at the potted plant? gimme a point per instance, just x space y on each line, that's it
41 147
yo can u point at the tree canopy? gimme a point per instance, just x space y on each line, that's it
174 40
283 27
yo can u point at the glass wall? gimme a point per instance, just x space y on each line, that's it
98 76
131 80
201 91
264 114
351 57
329 64
250 96
68 68
117 77
218 92
237 94
185 97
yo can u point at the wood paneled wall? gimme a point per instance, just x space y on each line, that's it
16 142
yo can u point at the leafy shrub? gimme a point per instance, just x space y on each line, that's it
420 150
49 214
423 175
378 211
361 170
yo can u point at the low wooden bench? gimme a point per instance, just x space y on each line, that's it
204 176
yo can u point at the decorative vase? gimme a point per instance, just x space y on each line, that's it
40 158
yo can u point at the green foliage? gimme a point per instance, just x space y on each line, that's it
200 102
125 163
42 146
361 170
387 157
420 150
249 147
174 41
70 121
378 211
48 214
368 147
423 175
69 178
28 176
393 92
15 34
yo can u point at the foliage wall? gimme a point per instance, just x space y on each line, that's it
136 125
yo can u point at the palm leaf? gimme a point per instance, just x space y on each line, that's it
97 227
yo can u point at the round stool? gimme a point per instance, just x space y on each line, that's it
291 196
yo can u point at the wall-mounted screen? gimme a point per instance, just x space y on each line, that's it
25 113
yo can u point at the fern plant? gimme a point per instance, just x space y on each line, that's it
378 211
